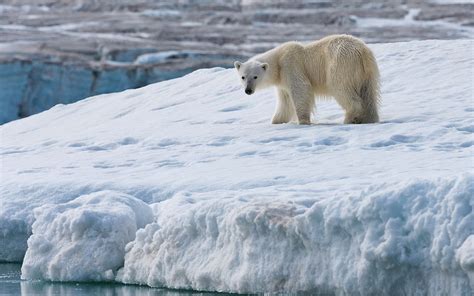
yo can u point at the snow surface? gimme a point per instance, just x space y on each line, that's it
241 205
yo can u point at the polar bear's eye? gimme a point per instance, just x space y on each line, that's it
255 77
243 77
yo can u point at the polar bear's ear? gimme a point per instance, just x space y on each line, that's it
265 66
237 65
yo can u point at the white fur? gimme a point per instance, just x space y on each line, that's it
340 66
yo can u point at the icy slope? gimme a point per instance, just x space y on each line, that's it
242 205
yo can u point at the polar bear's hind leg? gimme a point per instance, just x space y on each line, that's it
369 94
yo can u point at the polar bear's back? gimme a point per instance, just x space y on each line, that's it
339 59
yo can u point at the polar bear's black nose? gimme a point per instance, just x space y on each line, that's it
248 91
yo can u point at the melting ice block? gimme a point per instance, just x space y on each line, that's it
84 239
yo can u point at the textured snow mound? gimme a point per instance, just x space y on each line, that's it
465 255
366 243
84 239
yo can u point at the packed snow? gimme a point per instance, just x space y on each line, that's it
241 205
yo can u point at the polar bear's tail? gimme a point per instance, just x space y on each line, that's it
370 89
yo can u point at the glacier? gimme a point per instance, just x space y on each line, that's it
187 185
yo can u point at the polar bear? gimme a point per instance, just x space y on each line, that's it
339 66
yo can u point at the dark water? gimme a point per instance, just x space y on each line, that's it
11 284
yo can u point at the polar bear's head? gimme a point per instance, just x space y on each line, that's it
253 75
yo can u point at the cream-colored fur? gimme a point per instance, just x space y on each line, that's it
340 66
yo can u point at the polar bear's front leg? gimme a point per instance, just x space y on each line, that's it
303 98
285 111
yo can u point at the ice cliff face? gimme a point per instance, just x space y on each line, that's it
29 87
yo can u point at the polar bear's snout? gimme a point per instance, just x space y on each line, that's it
250 85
